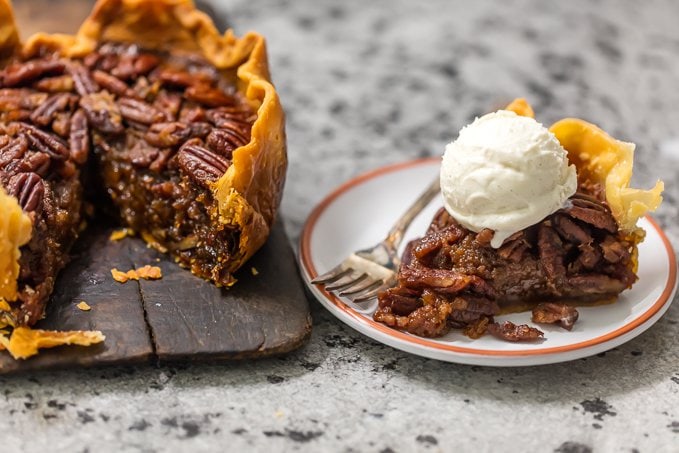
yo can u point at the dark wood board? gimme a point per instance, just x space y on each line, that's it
177 318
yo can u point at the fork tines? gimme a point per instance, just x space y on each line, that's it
356 278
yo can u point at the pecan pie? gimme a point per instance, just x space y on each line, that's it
149 107
585 252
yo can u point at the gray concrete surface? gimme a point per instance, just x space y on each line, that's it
367 84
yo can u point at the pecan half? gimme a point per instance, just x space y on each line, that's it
178 78
111 83
45 113
32 162
167 134
102 113
24 72
15 149
169 104
82 79
44 142
511 332
200 164
29 189
20 98
58 84
79 139
553 313
208 95
139 111
224 141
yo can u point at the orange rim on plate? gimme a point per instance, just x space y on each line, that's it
305 255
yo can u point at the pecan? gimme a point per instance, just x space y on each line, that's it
208 95
224 141
192 114
92 59
178 78
15 149
21 73
43 115
29 189
79 139
31 163
167 134
598 218
12 99
44 142
226 115
200 164
168 103
82 79
511 332
200 129
139 111
58 84
127 67
571 231
102 113
552 313
144 63
111 83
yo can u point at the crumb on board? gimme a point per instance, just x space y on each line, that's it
147 272
254 270
121 234
25 342
84 306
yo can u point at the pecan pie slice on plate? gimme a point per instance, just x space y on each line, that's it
461 300
147 106
584 253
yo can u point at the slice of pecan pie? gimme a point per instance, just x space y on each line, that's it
585 252
149 105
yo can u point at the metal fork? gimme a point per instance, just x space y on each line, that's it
364 273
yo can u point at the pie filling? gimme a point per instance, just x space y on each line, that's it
453 278
161 129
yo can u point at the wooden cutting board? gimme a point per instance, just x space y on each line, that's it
179 317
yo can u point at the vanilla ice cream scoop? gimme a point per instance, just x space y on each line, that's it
505 172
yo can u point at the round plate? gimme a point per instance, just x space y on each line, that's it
359 213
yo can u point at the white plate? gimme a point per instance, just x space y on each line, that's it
359 213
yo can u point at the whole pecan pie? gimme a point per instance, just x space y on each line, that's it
585 252
150 109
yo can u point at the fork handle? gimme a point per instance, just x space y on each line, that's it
395 236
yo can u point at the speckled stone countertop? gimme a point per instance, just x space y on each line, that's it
371 83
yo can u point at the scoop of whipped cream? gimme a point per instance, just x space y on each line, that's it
505 172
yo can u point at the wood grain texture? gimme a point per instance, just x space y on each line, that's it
177 318
116 310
